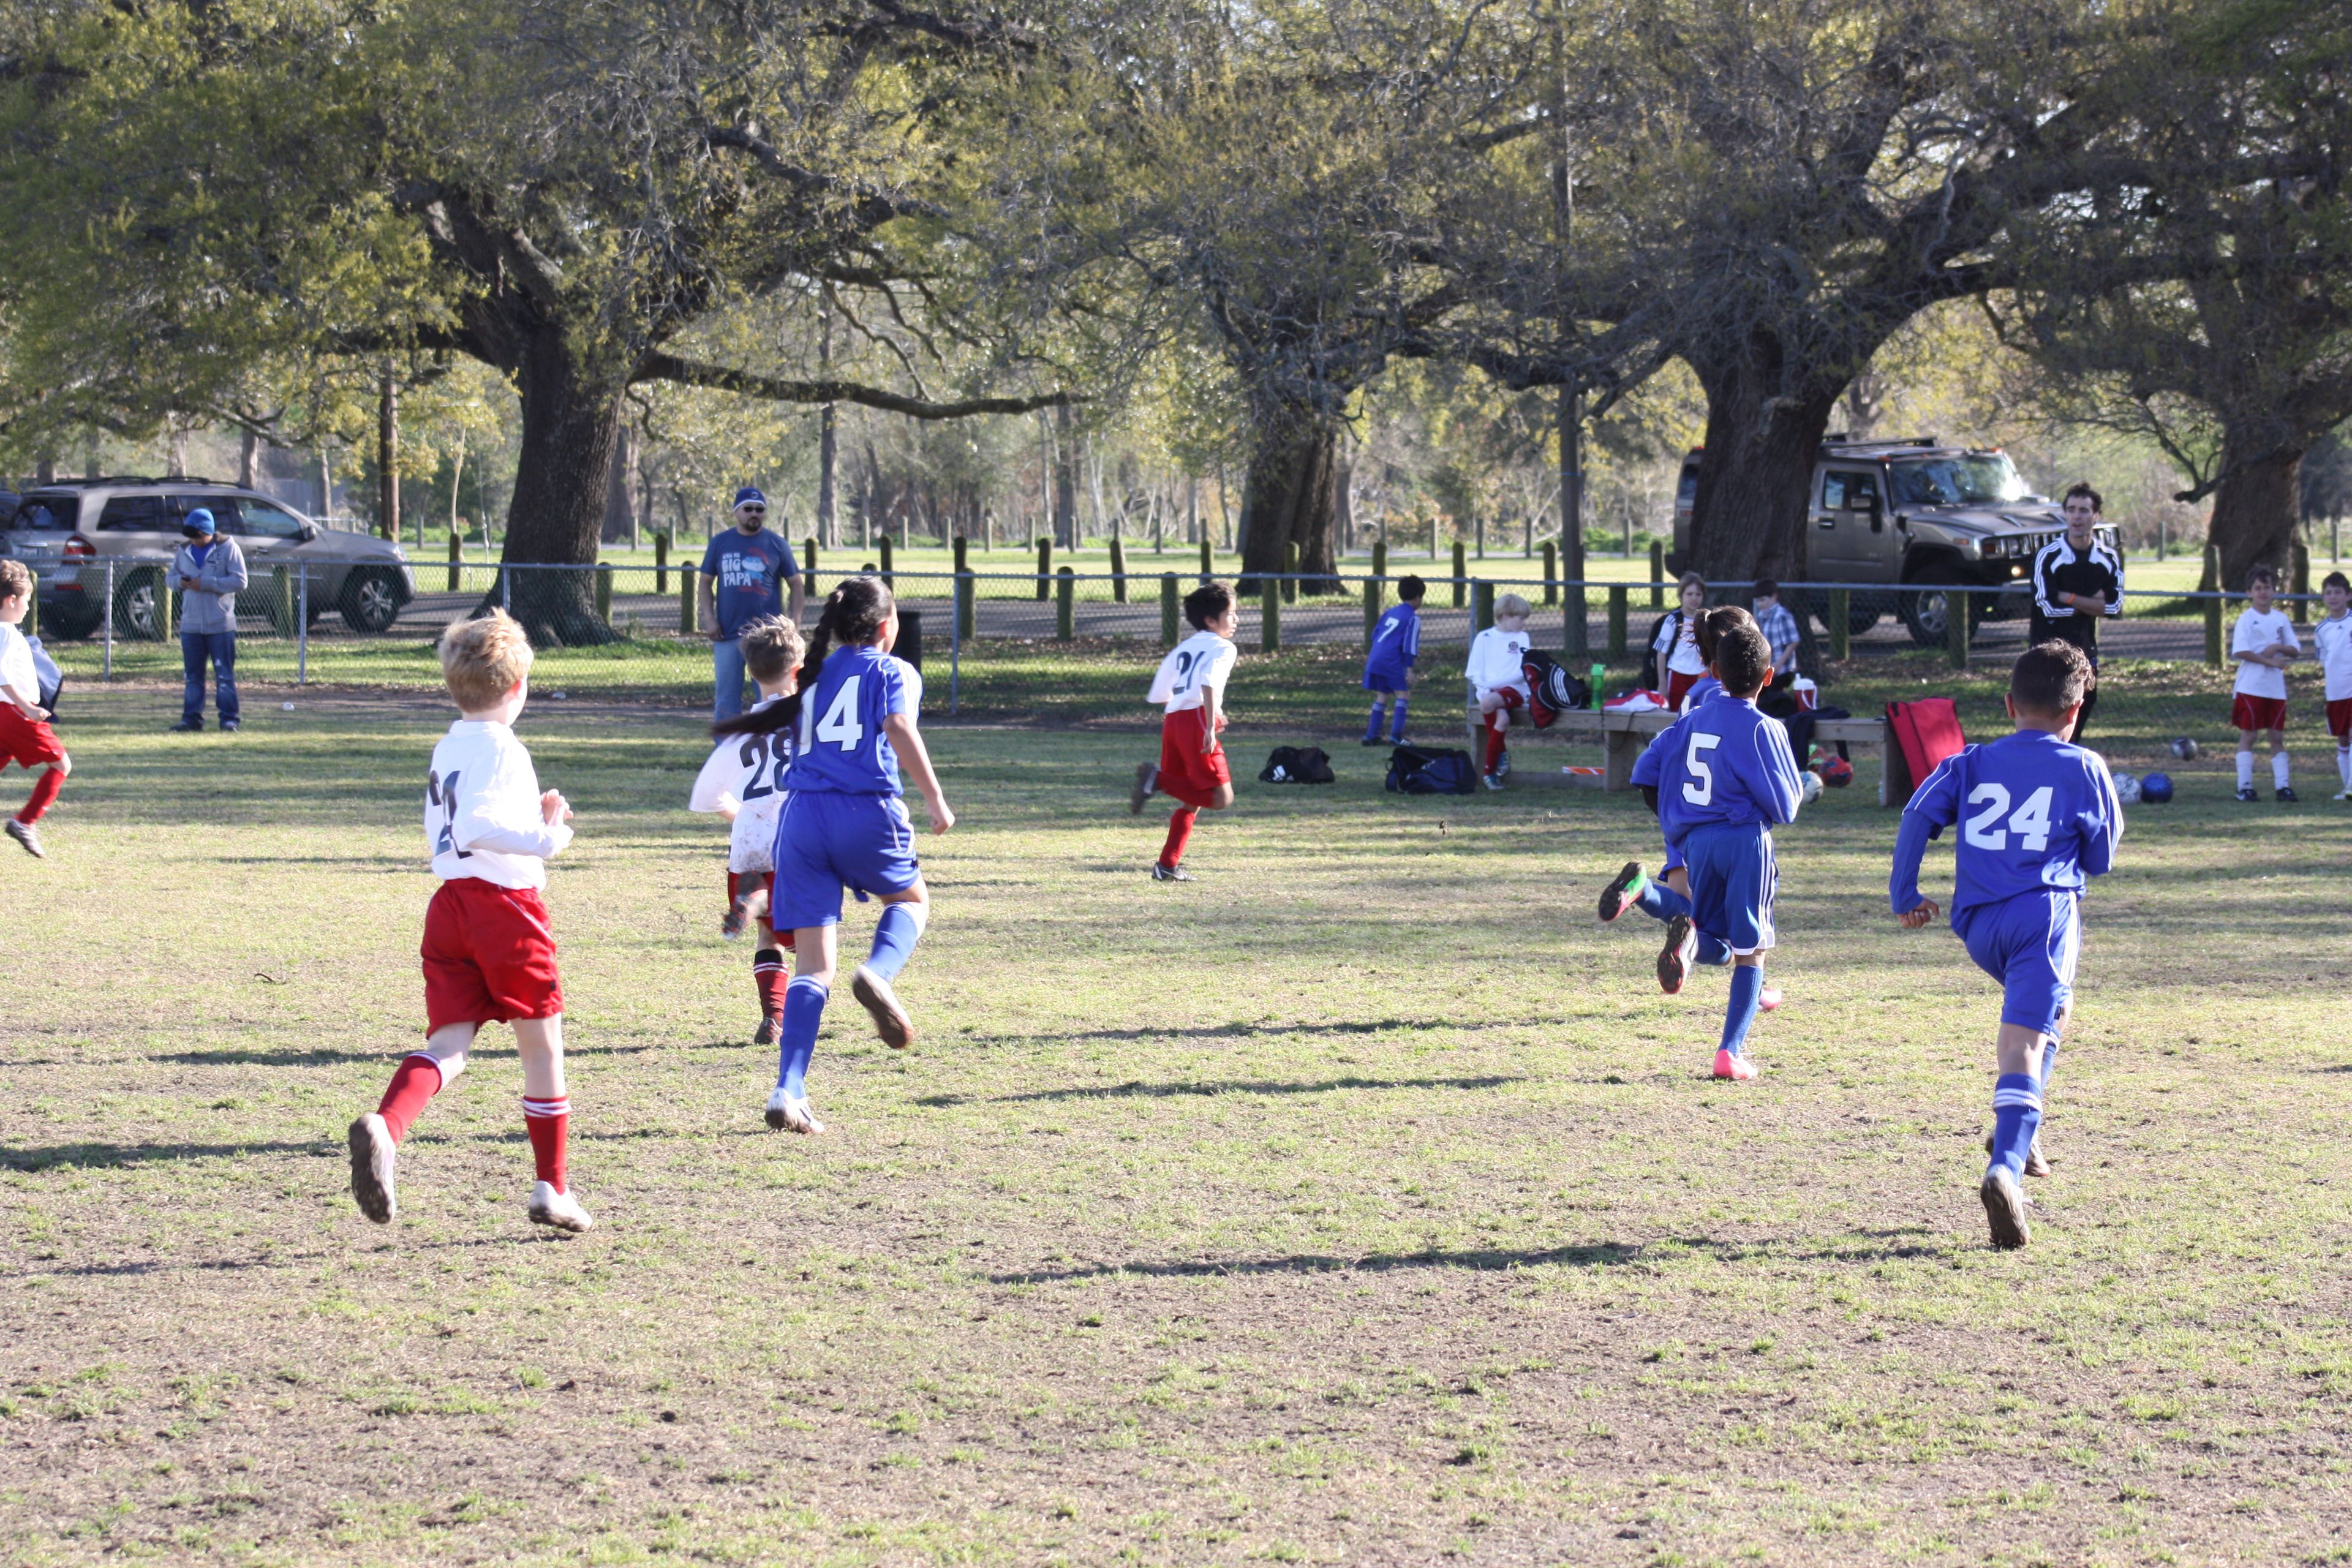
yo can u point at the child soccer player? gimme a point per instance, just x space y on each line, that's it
2264 643
1675 657
25 738
843 824
744 782
488 952
2041 817
1497 674
1388 668
1192 766
2332 638
1725 777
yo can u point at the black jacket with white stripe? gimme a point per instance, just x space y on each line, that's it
2060 569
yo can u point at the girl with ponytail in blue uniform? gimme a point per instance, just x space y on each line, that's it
844 824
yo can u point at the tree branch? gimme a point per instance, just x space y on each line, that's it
689 373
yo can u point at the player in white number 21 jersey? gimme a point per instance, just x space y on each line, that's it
1191 767
488 955
744 782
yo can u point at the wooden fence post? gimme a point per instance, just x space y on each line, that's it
1618 594
1066 584
1269 624
1168 618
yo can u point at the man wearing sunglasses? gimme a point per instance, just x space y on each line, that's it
747 572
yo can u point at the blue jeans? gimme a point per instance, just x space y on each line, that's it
220 648
727 680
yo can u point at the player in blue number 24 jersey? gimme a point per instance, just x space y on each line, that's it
843 824
2038 817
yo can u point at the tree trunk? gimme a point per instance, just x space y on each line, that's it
387 457
829 446
1065 479
1290 495
249 459
1754 473
571 421
2256 507
621 493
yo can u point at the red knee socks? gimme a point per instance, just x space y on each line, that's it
768 974
43 795
1493 740
1180 833
414 1081
546 1120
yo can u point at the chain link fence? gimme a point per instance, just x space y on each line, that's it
1062 646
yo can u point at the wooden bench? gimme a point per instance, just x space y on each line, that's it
1624 736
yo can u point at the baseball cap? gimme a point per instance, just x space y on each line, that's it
199 520
750 495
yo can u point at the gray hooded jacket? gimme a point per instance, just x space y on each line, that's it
211 605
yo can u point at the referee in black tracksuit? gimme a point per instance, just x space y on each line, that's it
2076 581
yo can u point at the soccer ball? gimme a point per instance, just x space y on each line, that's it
1811 790
2128 789
2185 748
2157 788
1837 772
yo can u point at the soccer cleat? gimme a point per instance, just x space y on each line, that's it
1674 959
1616 898
230 726
1492 779
1370 740
791 1113
2004 1208
558 1210
765 1034
1768 1000
1161 873
373 1153
890 1021
2036 1165
2285 794
2341 795
1503 767
2246 791
1146 779
26 833
1738 1070
730 924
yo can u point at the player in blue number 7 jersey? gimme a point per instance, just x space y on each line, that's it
2038 817
843 824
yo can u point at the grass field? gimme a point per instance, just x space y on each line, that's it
1362 1201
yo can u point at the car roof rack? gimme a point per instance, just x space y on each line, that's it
140 479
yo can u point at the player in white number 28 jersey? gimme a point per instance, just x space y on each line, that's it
744 782
488 955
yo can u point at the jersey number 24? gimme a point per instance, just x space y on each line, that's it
2031 822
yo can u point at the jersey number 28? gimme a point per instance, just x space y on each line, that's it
2031 822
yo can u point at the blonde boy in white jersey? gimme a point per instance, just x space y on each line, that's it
2263 643
488 955
2332 640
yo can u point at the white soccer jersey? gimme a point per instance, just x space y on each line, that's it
2254 632
16 666
725 771
481 810
752 845
1497 661
2332 640
1198 664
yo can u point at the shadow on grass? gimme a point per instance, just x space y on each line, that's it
1234 1031
102 1156
1134 1089
319 1056
1605 1255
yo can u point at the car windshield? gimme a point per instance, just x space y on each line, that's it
1980 479
48 513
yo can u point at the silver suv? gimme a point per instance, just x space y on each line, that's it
67 532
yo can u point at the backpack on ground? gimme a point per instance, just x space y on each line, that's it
1428 770
1921 734
1298 764
1552 690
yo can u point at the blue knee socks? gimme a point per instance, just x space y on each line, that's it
804 1001
2049 1065
894 941
1397 735
1747 991
1373 730
1660 901
1715 952
2016 1114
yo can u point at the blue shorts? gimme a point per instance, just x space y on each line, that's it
2028 943
826 840
1384 679
1732 880
1675 860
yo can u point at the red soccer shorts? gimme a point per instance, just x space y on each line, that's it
1181 761
1678 686
489 956
2250 713
2339 717
27 743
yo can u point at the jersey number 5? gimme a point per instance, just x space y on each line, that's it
1700 791
2031 823
840 723
443 792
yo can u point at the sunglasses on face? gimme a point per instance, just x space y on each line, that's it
753 511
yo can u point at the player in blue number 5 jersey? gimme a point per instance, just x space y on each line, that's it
2038 817
843 824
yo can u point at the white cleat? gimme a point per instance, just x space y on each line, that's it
373 1153
559 1211
890 1021
791 1113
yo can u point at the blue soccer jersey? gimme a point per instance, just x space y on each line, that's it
1396 644
1723 764
2034 812
843 746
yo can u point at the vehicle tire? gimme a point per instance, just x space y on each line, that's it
69 625
372 600
1862 612
1927 612
134 604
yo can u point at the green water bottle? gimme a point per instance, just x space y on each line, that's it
1599 675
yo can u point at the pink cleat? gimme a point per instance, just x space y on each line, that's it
1738 1068
1768 999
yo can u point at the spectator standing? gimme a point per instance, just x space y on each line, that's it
1779 626
209 572
2076 581
747 574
